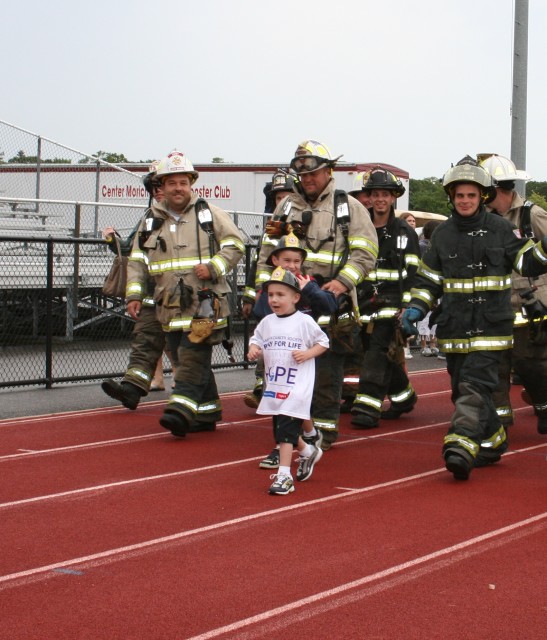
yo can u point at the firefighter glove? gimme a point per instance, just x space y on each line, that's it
410 317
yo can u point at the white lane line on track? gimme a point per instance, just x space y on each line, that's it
213 527
98 411
102 443
174 474
288 610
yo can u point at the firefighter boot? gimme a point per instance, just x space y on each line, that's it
396 410
175 422
458 464
128 394
361 420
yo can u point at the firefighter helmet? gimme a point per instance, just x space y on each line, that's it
290 241
502 169
311 155
467 170
359 182
282 276
176 162
150 180
382 179
282 181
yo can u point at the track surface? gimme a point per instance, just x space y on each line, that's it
110 528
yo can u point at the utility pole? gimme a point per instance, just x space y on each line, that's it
520 90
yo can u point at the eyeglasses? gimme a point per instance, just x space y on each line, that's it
307 164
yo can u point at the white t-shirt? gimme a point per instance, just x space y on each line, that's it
289 385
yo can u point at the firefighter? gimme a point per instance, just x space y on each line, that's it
188 247
148 340
342 248
353 361
275 191
528 358
469 265
381 297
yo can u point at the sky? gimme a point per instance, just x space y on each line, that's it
416 84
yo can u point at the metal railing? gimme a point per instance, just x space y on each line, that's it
57 326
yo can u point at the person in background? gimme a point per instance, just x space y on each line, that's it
427 327
289 341
528 358
469 265
188 247
409 218
382 295
342 247
145 370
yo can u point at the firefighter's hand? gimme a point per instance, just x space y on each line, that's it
409 318
247 309
254 352
336 287
134 308
276 228
202 271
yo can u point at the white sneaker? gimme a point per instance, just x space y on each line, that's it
427 352
408 355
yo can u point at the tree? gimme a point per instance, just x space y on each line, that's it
107 156
217 160
22 158
427 195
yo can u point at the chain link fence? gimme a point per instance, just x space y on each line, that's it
55 323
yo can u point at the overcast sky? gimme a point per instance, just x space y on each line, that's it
417 84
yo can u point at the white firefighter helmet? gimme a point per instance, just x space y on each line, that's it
176 162
502 169
311 155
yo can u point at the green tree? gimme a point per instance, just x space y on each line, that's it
217 160
427 195
107 156
539 199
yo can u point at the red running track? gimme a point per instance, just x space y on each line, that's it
110 528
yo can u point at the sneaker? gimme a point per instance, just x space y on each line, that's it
306 465
315 440
271 461
408 355
434 352
427 352
282 485
441 356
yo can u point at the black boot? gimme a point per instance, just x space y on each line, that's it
396 411
174 422
458 465
364 421
128 394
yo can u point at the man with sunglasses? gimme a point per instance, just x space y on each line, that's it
342 248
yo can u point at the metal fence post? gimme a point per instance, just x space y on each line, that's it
49 314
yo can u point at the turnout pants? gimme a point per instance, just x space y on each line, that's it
195 394
146 349
475 425
382 373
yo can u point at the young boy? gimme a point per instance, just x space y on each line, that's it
289 254
289 341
